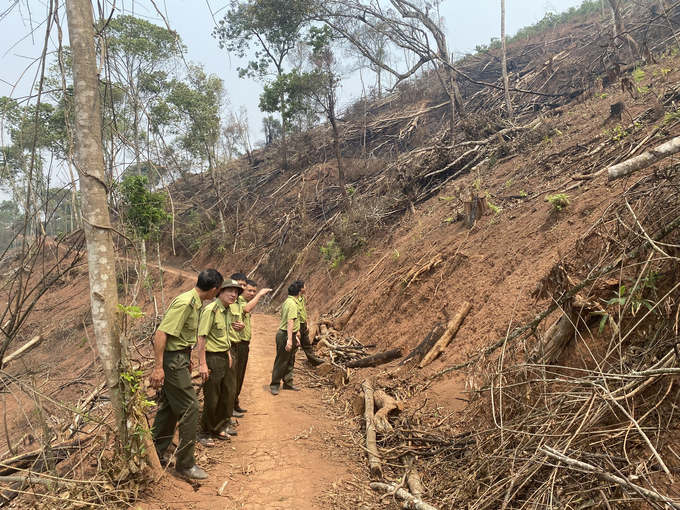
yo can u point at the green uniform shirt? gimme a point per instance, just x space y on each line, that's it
213 326
302 308
180 321
247 332
236 312
289 310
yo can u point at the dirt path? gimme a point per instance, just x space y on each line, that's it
277 461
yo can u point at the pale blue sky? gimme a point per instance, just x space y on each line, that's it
469 24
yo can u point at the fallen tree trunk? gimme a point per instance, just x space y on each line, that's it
376 359
645 159
448 335
374 463
385 405
341 322
562 330
22 349
60 452
410 501
424 347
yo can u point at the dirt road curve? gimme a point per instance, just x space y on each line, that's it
277 461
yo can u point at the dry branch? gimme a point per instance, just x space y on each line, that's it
374 462
607 477
22 349
645 159
385 405
410 501
448 335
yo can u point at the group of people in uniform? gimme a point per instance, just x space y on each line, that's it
214 318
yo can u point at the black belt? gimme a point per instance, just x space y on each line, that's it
218 353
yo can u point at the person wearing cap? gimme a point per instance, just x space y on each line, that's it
215 363
305 343
173 341
287 341
248 300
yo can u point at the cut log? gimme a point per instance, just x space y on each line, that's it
555 339
22 349
410 501
340 323
562 330
374 462
377 359
645 159
448 335
385 405
415 484
424 347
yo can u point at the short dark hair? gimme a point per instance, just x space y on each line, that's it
295 287
252 283
209 279
238 276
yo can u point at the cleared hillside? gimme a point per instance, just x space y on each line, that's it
559 389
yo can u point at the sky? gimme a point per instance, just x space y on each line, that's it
469 23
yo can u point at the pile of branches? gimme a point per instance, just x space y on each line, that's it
543 430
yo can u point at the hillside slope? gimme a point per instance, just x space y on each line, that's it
486 423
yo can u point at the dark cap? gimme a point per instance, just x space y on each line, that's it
229 283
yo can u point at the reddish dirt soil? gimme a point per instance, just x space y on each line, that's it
279 458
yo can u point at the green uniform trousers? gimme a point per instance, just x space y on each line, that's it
284 362
231 379
306 344
243 349
178 403
216 393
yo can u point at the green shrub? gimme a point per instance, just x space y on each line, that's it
559 201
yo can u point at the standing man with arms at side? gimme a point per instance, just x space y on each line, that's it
287 341
234 332
249 300
215 362
305 342
173 341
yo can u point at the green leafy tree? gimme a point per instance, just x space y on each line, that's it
144 214
314 90
140 57
274 27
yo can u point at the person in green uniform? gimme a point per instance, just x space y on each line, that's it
215 362
248 300
287 341
174 339
234 333
305 342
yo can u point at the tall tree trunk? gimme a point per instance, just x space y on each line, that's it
338 157
619 28
504 66
284 149
144 266
96 221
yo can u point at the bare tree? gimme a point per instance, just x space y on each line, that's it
408 25
89 162
619 28
504 65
